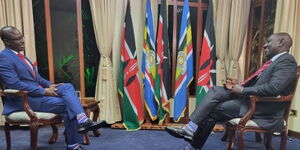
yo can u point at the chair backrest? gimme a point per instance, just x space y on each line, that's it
294 86
294 83
1 85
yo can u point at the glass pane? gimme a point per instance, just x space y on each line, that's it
270 9
194 19
65 41
40 36
254 60
91 53
170 30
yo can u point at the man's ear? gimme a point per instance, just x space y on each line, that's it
281 42
6 42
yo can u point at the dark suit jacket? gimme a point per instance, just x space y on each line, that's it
16 75
273 81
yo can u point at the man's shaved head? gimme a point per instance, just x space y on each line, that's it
287 39
7 31
12 38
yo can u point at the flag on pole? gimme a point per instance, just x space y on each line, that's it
129 86
206 76
184 66
163 83
148 64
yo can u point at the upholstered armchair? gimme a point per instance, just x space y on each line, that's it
28 117
245 124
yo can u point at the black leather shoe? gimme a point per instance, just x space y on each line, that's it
90 125
188 138
179 132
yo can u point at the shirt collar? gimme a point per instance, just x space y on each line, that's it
14 51
277 56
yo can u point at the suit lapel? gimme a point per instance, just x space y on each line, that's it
20 61
273 64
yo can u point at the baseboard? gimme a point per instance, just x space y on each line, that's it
294 134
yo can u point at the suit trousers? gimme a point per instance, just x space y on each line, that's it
217 106
67 104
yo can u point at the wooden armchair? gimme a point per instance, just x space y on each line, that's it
90 105
244 124
28 117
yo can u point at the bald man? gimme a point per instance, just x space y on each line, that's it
232 100
17 72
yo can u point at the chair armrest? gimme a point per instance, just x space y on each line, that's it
249 114
272 99
24 97
256 99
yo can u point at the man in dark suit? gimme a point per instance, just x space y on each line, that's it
17 72
231 101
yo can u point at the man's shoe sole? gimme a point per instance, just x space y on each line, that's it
92 128
173 133
188 138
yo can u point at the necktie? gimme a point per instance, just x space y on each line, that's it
266 65
27 64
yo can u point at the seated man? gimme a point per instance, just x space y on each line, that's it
17 72
232 100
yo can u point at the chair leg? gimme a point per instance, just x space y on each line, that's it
86 139
54 135
257 137
231 135
225 135
95 117
283 140
7 135
240 134
268 141
33 135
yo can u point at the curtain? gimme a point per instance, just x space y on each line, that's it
222 16
138 11
238 25
103 14
19 13
287 20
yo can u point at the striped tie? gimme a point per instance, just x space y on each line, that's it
266 65
27 64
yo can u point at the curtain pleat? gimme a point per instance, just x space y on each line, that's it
222 16
287 20
103 14
238 26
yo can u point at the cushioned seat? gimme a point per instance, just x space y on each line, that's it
249 123
22 116
245 124
28 117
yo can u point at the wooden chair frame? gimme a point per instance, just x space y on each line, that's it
34 122
241 127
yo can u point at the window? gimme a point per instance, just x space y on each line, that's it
59 27
261 26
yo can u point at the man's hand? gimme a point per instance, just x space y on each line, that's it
229 83
55 85
238 89
51 91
